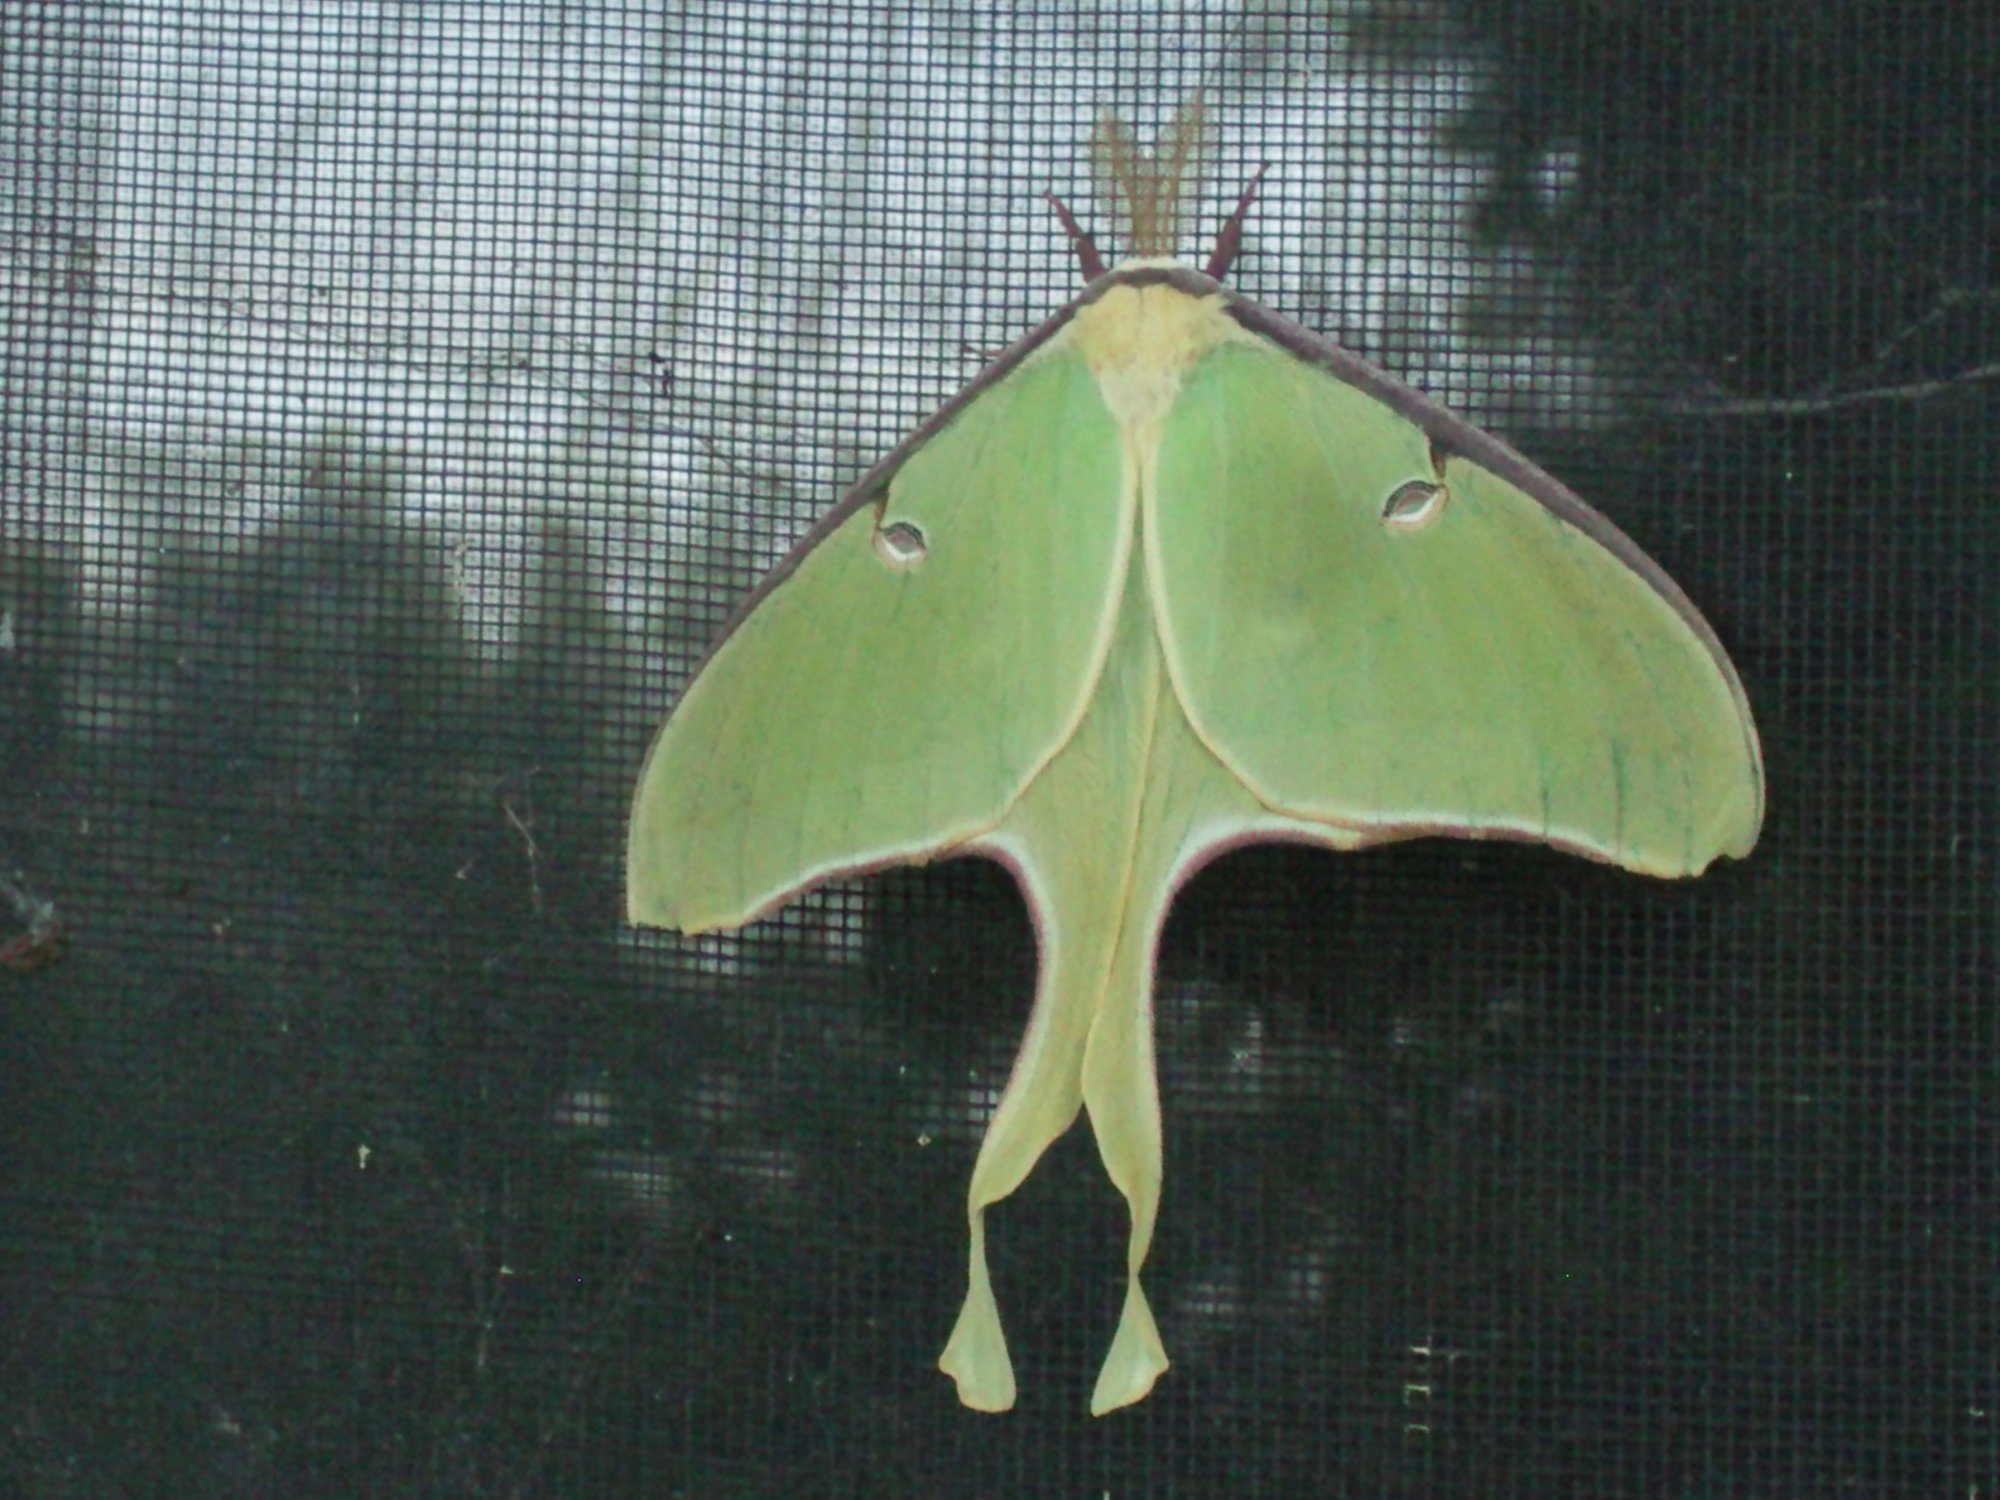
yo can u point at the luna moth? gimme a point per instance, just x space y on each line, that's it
1171 576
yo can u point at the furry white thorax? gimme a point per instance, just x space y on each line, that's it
1140 340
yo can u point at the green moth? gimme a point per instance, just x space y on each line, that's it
1171 576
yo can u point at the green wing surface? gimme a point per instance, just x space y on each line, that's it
865 710
1514 667
1357 619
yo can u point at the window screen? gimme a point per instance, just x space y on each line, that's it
397 399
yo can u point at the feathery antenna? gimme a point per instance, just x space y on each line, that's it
1147 188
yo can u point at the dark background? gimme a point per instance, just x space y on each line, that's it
352 1146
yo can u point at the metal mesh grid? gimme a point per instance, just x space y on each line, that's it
396 399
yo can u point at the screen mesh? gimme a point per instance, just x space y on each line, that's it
396 400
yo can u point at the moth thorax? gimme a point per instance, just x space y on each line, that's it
1139 341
